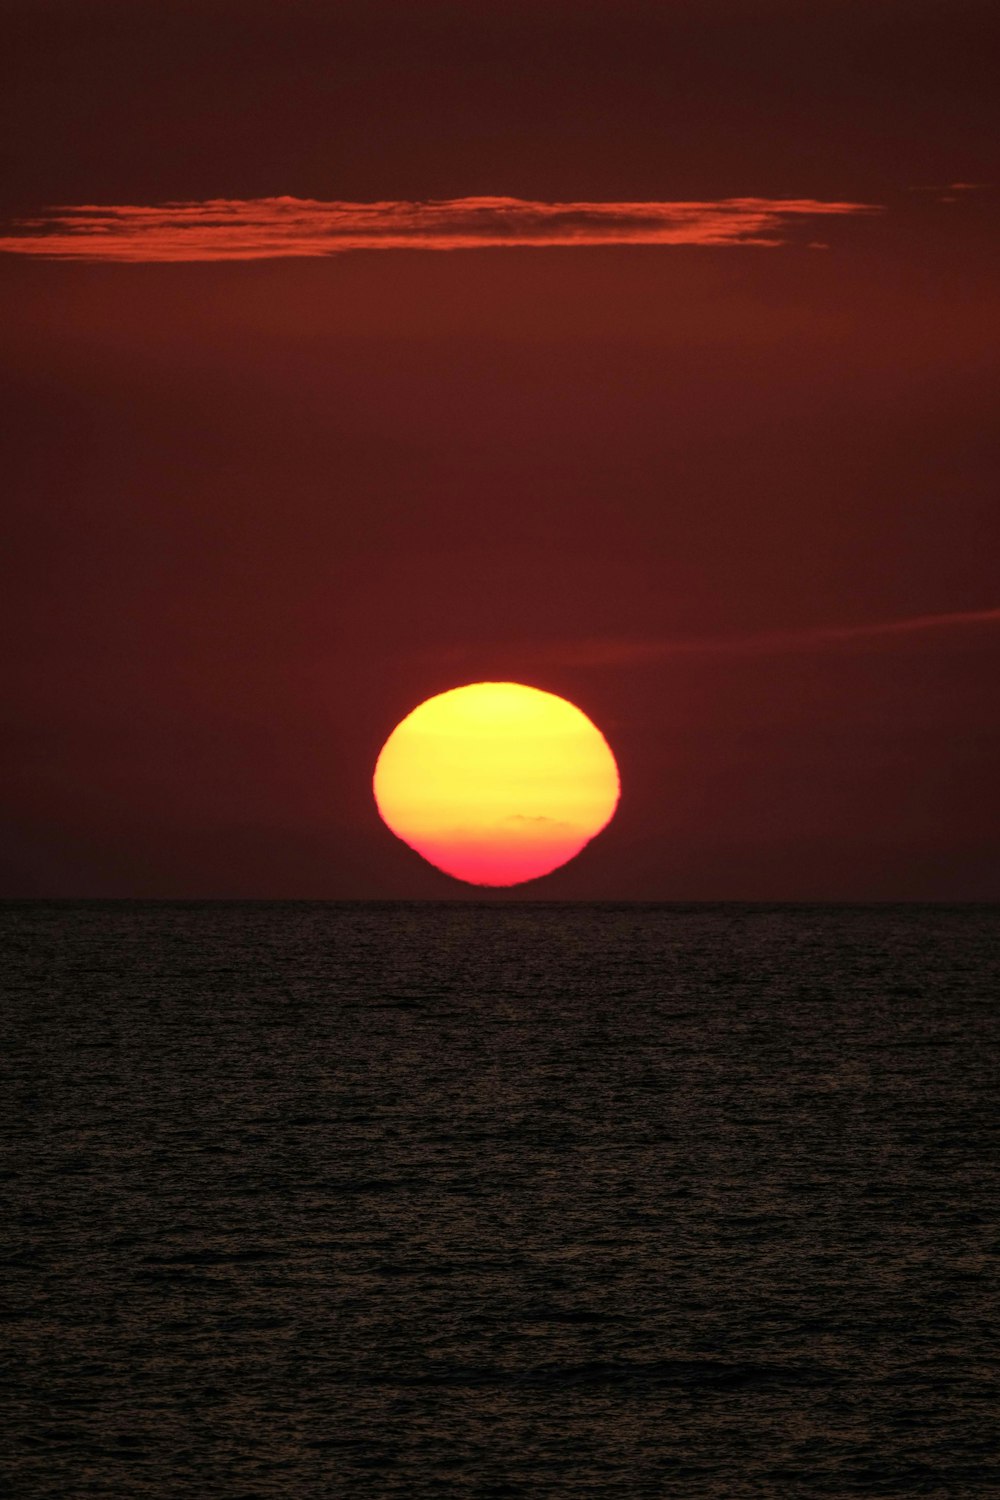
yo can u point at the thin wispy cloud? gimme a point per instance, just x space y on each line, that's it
223 229
952 192
951 187
611 652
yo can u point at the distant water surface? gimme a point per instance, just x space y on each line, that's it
499 1200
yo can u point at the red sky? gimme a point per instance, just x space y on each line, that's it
737 501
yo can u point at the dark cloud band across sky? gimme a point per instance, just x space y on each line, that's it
274 228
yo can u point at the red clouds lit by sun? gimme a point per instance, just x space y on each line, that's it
276 228
496 783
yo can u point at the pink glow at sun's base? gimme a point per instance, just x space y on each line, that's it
488 863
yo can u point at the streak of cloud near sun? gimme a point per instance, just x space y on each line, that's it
275 228
611 652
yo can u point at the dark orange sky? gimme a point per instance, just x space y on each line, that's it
257 510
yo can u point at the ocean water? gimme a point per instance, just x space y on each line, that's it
499 1200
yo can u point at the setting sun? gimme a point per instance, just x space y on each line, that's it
496 783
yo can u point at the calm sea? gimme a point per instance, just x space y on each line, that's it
426 1200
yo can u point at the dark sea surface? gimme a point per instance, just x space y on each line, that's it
499 1200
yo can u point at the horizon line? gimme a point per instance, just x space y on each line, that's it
500 899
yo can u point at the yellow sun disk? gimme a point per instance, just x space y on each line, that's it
496 782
